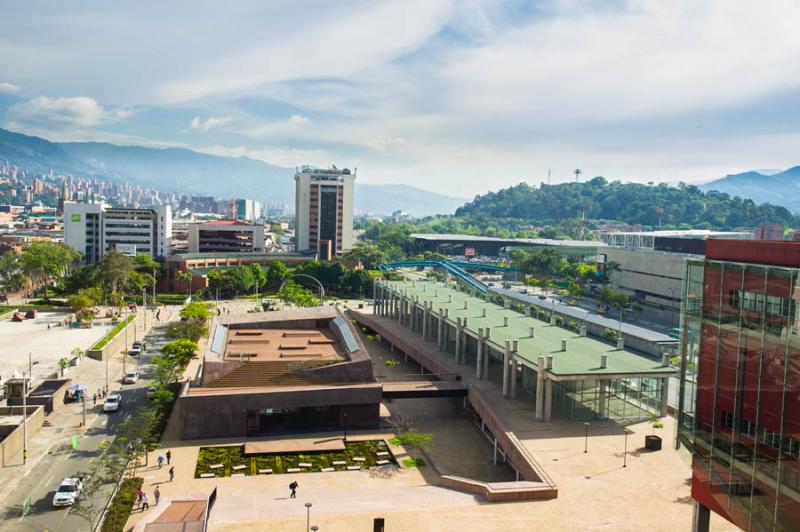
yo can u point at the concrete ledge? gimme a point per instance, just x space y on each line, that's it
501 491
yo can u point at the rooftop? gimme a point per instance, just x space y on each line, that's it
580 359
450 237
236 255
269 345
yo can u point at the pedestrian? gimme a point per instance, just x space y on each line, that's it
171 473
139 495
48 325
94 399
169 456
145 502
130 447
293 487
160 460
157 495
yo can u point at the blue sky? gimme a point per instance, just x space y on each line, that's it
456 97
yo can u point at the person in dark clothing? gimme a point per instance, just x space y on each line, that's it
171 473
169 456
293 487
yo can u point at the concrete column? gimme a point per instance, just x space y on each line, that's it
665 397
458 341
413 320
603 397
425 317
506 364
540 389
548 400
440 330
514 374
375 297
485 372
479 363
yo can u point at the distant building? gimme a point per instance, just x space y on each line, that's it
739 397
223 236
324 210
247 210
94 229
769 232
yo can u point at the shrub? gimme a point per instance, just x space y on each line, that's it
121 507
572 325
113 332
559 321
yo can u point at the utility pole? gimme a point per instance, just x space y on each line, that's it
24 420
144 307
30 365
83 406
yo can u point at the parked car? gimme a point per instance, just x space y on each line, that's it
67 492
151 393
135 350
132 377
141 345
113 402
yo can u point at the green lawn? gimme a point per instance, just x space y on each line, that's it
230 457
113 332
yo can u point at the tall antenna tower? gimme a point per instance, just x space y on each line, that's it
548 177
577 173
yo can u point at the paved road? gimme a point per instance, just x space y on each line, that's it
42 481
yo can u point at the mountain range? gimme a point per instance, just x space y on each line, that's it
186 171
781 188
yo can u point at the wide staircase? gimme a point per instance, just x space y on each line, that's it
269 374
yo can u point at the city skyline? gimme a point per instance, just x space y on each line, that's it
635 91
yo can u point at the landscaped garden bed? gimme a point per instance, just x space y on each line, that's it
214 462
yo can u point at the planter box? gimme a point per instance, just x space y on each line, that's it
653 442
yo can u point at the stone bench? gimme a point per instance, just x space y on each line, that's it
293 470
238 467
382 453
264 471
304 464
216 466
328 469
353 468
207 475
382 462
339 462
359 459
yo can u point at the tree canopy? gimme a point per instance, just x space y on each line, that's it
47 260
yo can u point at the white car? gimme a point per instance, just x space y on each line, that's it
151 393
113 401
67 492
132 377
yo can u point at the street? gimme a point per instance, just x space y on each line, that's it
41 481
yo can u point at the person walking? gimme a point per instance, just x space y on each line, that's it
94 399
293 486
157 495
169 456
139 495
145 502
171 473
160 460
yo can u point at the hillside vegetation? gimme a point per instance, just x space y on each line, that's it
683 206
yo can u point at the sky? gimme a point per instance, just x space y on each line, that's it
454 97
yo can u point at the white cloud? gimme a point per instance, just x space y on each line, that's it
8 87
210 122
279 156
45 113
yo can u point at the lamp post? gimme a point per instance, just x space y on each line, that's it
625 453
24 420
586 438
308 516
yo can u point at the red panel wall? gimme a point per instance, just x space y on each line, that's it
774 252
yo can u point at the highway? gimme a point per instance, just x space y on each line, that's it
43 480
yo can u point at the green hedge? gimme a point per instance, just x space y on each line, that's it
171 299
121 507
113 332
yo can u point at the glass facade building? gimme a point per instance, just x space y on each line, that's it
739 400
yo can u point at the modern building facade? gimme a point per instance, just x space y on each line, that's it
225 236
94 229
739 399
281 372
324 210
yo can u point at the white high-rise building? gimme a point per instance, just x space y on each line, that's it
324 210
95 229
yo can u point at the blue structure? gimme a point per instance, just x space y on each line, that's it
457 269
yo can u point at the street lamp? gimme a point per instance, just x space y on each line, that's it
308 515
586 439
625 453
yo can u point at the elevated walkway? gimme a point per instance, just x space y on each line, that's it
455 269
